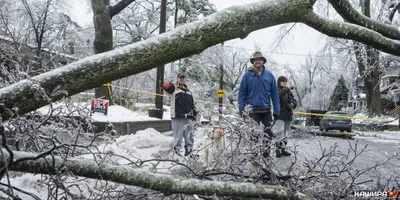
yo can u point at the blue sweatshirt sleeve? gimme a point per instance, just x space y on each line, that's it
275 96
242 94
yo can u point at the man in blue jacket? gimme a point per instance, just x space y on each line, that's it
257 89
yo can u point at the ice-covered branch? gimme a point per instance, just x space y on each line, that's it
117 8
143 178
346 10
352 32
189 39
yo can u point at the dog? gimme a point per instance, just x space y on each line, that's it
215 145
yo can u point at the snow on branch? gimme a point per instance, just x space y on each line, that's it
189 39
346 10
193 38
352 32
168 184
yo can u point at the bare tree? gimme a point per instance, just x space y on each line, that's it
28 45
28 95
304 78
103 12
38 147
116 66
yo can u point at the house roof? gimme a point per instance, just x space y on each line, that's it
390 87
390 76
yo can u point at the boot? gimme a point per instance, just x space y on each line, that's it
177 151
266 152
285 153
281 150
269 133
267 148
188 150
278 152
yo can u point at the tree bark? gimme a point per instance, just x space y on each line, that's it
371 72
117 8
160 69
169 184
103 41
352 32
371 82
189 39
346 10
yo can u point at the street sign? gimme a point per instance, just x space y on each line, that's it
100 105
220 93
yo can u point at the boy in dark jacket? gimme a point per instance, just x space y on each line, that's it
288 103
182 112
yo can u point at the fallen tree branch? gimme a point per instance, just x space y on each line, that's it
189 39
352 32
143 178
346 10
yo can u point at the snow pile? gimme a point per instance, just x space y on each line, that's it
362 118
128 149
144 145
120 114
64 109
380 136
115 113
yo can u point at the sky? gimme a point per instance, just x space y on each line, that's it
293 50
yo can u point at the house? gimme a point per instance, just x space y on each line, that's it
390 86
389 89
357 98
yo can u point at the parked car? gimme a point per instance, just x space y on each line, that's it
330 122
313 120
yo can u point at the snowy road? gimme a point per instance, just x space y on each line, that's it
380 147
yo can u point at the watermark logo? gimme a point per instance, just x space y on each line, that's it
371 193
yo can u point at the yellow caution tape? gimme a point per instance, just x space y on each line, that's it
337 116
231 105
156 94
108 85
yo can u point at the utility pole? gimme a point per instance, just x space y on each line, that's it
221 85
160 69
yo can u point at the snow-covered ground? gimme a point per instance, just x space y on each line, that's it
361 118
115 113
149 144
144 145
387 136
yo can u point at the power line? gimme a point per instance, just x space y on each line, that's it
292 54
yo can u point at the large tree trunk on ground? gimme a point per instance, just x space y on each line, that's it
103 40
169 184
182 42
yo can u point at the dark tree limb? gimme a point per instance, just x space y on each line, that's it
393 11
189 39
352 32
117 8
346 10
